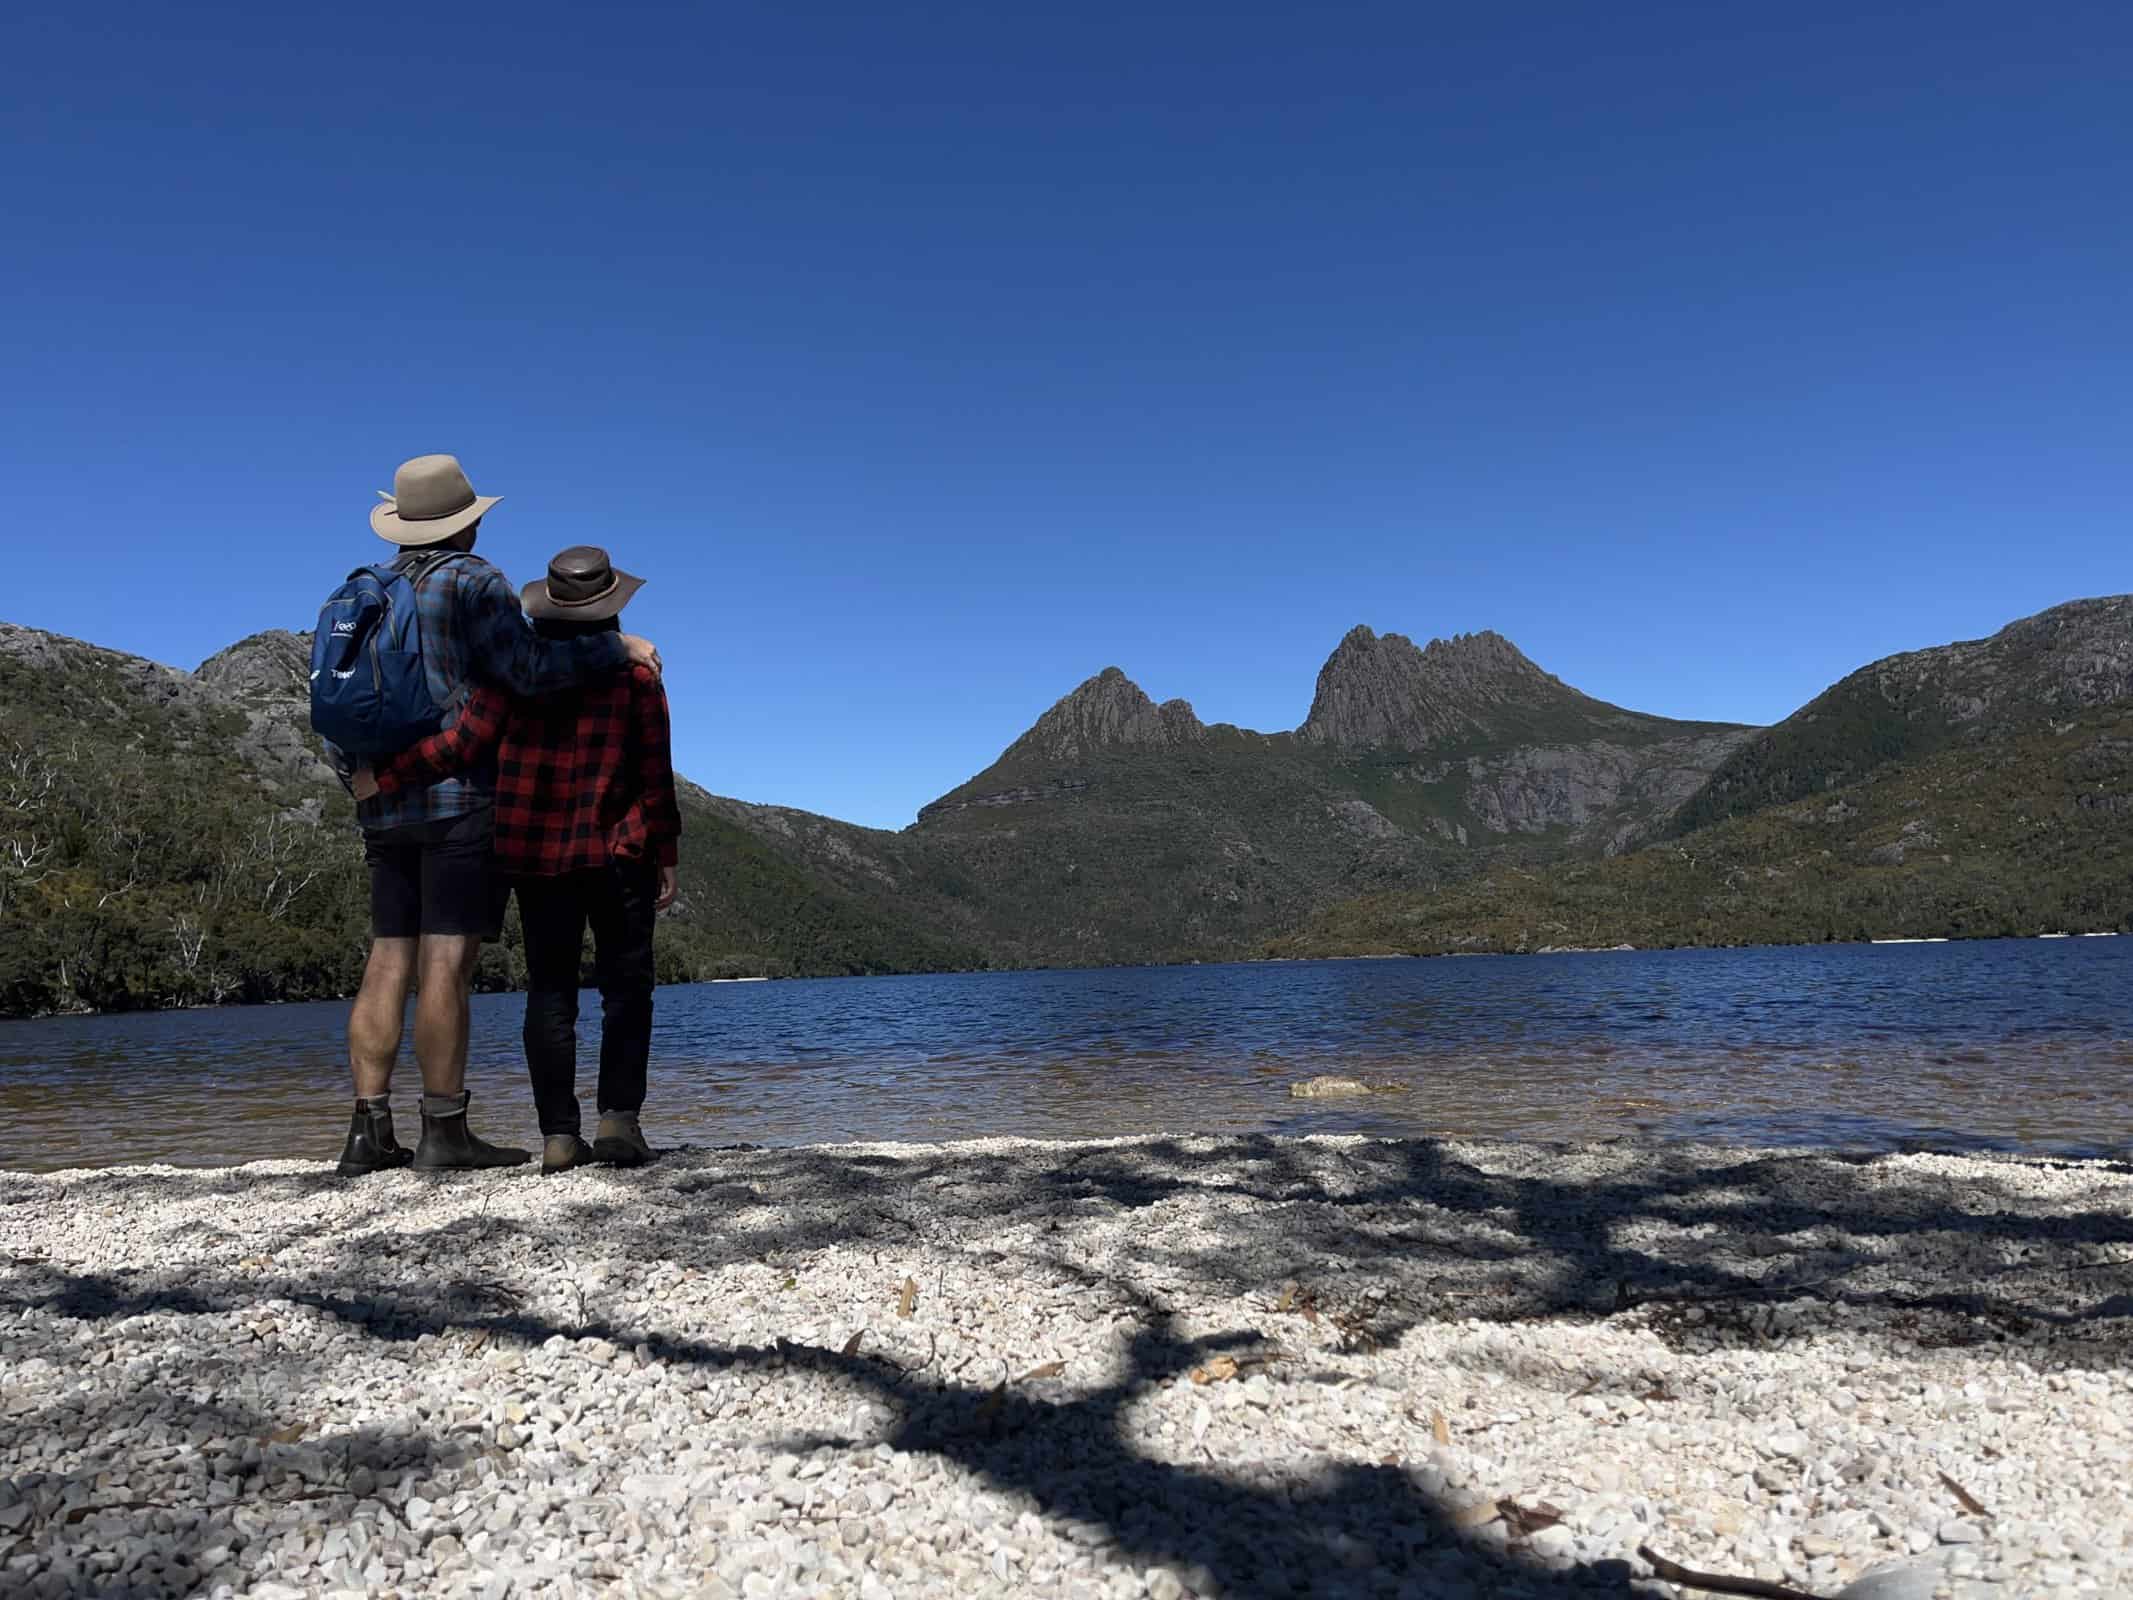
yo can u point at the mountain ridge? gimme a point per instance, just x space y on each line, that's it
173 837
2064 660
1460 742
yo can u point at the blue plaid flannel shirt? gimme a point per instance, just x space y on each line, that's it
475 631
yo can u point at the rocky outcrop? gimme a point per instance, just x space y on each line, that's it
79 667
266 679
1590 787
271 668
251 699
1021 794
1382 692
1109 711
1329 1087
2072 658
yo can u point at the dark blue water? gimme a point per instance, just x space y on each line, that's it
2017 1044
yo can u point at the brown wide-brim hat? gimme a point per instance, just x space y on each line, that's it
431 502
582 586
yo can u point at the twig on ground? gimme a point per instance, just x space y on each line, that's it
74 1514
1969 1501
1717 1583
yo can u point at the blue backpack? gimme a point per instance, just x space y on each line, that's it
370 694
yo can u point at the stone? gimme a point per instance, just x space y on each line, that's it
1913 1580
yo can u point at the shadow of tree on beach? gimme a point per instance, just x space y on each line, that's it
1345 1246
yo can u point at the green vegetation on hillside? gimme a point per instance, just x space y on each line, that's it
142 864
1164 855
146 862
2071 661
748 911
2022 836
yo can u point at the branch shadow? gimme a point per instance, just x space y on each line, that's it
1361 1242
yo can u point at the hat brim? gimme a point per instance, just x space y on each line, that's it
387 523
542 608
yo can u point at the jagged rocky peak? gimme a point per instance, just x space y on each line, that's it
270 666
1381 690
1108 711
56 655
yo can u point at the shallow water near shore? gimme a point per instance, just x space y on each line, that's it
2017 1045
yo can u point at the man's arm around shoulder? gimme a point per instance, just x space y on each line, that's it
505 650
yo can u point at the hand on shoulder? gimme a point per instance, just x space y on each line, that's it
642 653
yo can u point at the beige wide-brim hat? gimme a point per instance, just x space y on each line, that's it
431 501
582 586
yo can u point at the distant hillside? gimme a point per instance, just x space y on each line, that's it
174 838
2028 835
1977 788
154 850
2042 670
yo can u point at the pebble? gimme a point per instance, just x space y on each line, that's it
638 1384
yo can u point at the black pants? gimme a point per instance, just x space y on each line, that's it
619 903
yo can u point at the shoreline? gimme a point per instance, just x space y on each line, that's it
1130 966
278 1168
1193 1365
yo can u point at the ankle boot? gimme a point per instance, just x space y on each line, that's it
619 1141
371 1146
562 1151
448 1145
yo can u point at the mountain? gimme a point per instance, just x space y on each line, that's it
1467 737
1118 828
179 839
1973 788
1477 688
2056 665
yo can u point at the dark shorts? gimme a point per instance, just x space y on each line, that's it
436 877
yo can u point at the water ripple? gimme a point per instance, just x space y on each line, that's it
2017 1045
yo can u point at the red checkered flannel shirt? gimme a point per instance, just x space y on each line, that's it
583 778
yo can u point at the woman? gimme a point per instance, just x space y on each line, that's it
587 828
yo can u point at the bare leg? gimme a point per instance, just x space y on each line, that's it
443 1015
380 1010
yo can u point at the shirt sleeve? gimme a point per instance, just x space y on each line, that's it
505 651
466 743
655 770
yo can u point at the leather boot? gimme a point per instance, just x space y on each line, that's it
562 1151
619 1141
448 1145
371 1146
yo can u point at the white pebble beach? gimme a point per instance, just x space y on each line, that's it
1234 1366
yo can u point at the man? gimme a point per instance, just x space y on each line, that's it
587 827
433 892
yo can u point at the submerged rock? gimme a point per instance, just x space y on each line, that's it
1329 1084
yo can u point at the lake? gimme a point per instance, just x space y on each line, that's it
2013 1044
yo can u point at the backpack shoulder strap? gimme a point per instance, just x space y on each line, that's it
418 565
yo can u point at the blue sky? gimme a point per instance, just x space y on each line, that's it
931 359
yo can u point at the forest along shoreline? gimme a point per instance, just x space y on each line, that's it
1218 1365
171 837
